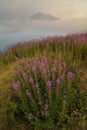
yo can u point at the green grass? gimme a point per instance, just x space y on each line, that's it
6 72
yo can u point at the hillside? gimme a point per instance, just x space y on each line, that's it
45 59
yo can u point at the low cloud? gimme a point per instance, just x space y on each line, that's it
65 25
11 22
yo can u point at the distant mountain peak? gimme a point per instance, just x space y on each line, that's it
42 16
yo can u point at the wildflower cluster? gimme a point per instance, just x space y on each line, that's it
39 82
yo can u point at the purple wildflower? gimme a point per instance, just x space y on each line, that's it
58 81
34 69
36 86
69 75
15 85
53 69
24 74
31 80
49 83
41 65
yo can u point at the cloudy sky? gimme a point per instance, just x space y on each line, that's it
16 22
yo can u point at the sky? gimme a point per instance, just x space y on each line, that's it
16 23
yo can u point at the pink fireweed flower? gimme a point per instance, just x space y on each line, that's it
58 81
24 74
28 93
70 75
36 86
34 69
15 85
49 83
53 69
41 65
31 80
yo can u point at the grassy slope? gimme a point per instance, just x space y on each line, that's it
6 72
5 79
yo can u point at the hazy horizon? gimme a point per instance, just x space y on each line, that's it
24 20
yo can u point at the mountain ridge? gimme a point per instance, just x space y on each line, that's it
42 16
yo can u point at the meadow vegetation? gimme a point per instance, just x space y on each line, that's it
43 84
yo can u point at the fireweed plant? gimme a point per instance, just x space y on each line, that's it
46 92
